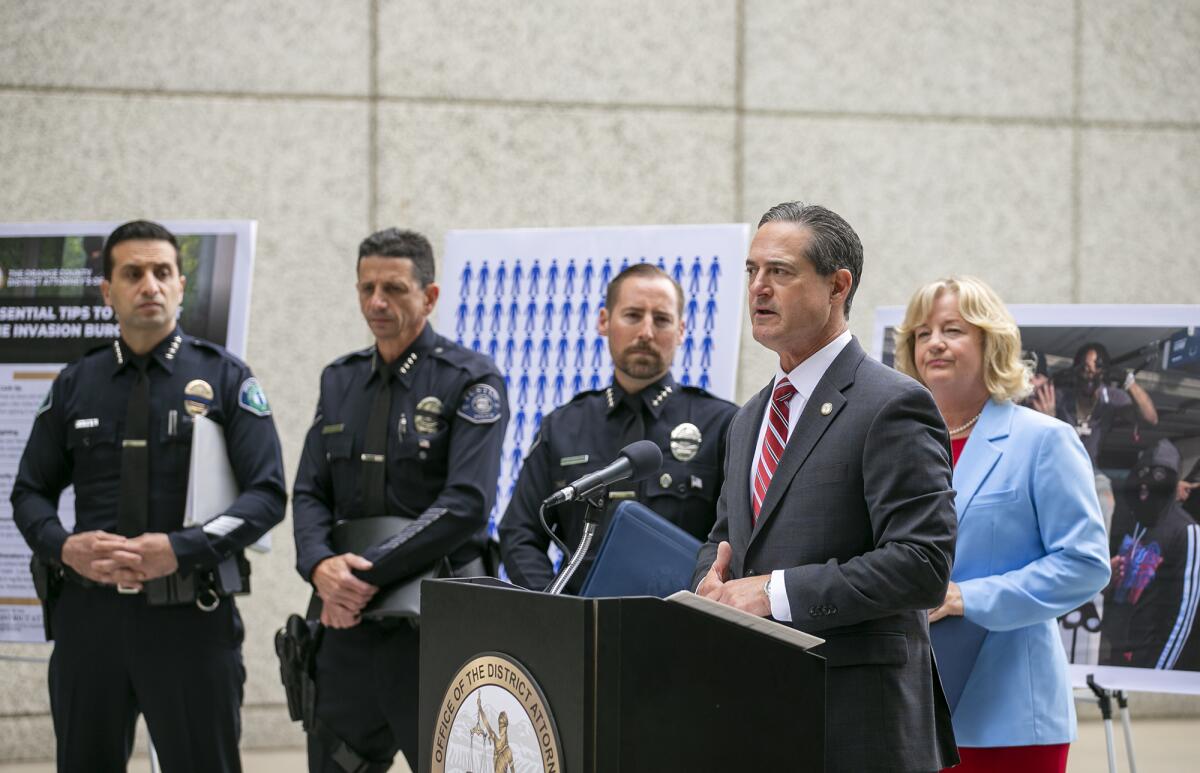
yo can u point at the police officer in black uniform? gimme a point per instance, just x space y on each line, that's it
142 620
411 427
643 320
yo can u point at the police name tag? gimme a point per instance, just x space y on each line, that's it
571 461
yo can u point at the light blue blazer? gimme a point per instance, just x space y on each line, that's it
1031 547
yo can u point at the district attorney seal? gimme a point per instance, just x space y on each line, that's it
493 717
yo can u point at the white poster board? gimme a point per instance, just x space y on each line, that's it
1161 346
51 313
530 298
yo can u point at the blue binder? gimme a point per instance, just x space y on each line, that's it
642 554
956 643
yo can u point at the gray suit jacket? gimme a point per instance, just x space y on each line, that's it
860 514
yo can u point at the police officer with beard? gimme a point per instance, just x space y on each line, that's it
643 320
1150 604
411 427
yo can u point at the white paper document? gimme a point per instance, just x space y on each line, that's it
212 486
746 620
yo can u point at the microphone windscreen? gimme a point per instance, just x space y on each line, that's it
644 456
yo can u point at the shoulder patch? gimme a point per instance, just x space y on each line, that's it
481 404
47 401
252 398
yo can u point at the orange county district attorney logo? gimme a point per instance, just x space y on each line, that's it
494 719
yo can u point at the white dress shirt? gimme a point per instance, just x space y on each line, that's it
804 378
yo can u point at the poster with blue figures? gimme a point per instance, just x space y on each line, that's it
530 298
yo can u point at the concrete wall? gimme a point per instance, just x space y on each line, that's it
1050 146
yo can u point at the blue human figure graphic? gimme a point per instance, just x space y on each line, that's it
662 264
465 288
585 315
514 311
476 344
706 351
588 274
480 312
625 263
544 353
710 313
565 324
497 317
540 398
484 273
594 381
526 352
688 346
530 316
509 347
493 348
561 361
515 456
537 420
694 279
518 272
501 275
605 275
714 273
548 316
559 384
552 276
519 425
577 383
677 270
460 319
535 277
690 313
569 281
597 351
705 381
687 378
523 388
580 349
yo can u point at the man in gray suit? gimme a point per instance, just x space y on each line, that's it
837 514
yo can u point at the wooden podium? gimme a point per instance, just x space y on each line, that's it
632 684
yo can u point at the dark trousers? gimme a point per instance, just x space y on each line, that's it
367 694
115 657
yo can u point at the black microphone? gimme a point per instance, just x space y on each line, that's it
637 460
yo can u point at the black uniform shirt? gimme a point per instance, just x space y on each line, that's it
76 440
448 415
586 434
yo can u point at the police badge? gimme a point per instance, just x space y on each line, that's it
427 415
197 397
685 442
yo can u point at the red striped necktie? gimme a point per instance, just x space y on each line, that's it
774 441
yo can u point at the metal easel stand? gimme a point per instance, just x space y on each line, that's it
1104 700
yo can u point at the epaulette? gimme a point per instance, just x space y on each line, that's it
586 393
210 346
370 350
476 364
695 390
106 346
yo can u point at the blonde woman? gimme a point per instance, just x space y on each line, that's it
1031 540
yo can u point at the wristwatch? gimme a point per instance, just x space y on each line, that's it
767 586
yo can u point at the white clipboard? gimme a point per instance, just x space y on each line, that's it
212 486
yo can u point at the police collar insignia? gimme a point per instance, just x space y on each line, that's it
481 404
252 398
197 397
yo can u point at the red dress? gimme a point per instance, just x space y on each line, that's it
1003 759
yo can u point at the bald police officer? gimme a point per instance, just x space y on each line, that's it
642 318
411 427
142 619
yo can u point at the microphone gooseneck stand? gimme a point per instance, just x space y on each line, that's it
597 501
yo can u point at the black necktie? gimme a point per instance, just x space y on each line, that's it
374 457
634 428
133 509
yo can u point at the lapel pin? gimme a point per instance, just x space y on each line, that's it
826 409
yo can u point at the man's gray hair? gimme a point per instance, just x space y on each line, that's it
834 243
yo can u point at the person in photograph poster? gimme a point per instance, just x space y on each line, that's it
1151 602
